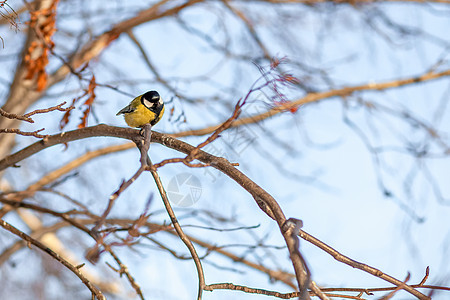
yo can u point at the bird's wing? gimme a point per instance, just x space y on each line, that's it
126 109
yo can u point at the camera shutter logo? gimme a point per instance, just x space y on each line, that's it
184 190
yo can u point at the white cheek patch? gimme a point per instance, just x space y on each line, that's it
160 102
147 103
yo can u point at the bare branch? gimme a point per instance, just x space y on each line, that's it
284 277
23 93
224 166
26 117
150 65
124 270
65 137
24 133
314 97
245 289
15 116
181 234
95 292
81 225
143 146
366 268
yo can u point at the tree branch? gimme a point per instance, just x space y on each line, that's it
98 294
181 234
224 166
245 289
366 268
314 97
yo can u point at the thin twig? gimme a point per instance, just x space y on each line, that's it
315 97
98 294
282 276
398 288
246 289
150 65
24 133
26 117
8 115
46 110
224 126
66 216
181 234
124 270
144 146
366 268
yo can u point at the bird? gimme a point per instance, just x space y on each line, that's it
147 108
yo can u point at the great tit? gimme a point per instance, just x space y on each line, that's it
146 108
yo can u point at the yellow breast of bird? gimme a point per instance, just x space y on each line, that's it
139 117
